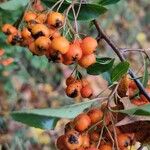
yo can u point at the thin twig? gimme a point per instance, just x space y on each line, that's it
116 49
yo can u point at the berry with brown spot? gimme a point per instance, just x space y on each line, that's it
73 140
9 29
73 90
38 30
42 44
74 53
70 80
55 19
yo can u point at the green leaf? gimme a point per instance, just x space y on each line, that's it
108 2
13 4
119 70
94 10
140 110
145 76
47 118
102 65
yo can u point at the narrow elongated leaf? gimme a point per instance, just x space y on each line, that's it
13 4
145 76
140 110
108 2
119 71
47 118
102 65
94 10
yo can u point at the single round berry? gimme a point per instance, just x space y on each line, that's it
87 60
82 122
28 16
70 80
9 29
60 44
61 143
42 44
55 19
74 53
123 140
95 115
94 136
86 91
73 140
88 45
73 90
39 30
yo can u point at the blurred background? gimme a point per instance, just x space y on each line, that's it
32 82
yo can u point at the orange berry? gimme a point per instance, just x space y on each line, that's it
39 30
60 44
14 38
42 44
87 60
95 115
28 16
88 45
61 143
55 19
73 89
54 33
123 140
94 136
73 140
74 53
86 91
70 80
82 122
25 33
105 147
9 29
85 140
41 18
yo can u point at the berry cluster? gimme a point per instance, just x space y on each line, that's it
84 133
42 36
78 87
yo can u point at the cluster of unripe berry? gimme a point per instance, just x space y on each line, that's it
78 87
84 133
42 35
